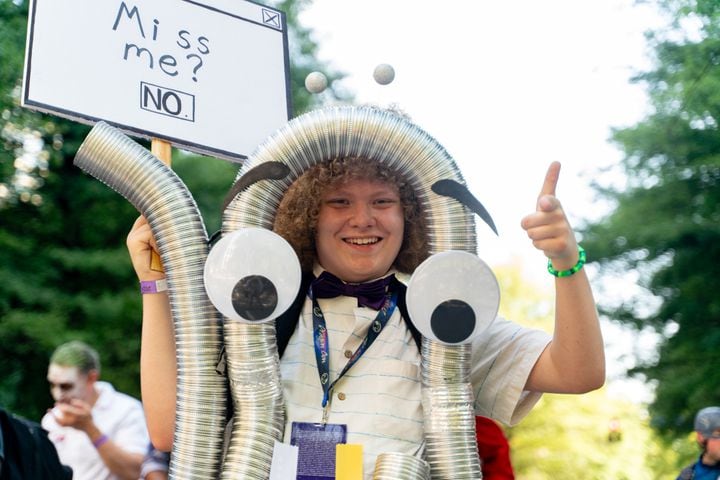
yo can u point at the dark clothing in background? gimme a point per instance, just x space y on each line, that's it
26 453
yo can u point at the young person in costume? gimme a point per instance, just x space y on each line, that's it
357 220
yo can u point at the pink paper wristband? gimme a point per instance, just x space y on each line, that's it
100 441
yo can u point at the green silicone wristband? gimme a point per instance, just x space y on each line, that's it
575 268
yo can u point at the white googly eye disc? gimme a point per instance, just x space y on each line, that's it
452 297
252 275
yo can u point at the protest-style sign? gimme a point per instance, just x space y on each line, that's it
211 76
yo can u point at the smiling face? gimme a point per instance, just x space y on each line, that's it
360 229
298 215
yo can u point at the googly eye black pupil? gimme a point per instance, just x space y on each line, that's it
452 321
254 297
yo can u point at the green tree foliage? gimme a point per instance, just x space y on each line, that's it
64 270
666 220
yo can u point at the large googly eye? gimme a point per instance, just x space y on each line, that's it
252 275
452 297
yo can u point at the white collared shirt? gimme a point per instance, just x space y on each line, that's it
379 398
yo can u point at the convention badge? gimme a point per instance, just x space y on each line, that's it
317 444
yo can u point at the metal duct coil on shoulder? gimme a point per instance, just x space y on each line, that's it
159 194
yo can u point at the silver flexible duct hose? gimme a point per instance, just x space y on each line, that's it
400 466
255 388
159 194
368 132
450 441
259 417
385 136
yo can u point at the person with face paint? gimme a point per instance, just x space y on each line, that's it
98 431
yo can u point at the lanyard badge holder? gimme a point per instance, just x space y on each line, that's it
318 442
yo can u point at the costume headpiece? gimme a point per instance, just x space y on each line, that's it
367 132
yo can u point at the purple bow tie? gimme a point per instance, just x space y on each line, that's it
371 294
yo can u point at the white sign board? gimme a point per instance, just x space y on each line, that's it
211 76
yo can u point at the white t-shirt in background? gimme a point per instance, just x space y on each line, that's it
117 415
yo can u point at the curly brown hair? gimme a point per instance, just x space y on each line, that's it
297 216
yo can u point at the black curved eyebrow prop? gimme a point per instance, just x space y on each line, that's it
459 192
264 171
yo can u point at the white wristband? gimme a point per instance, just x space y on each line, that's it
153 286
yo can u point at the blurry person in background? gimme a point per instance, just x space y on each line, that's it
707 431
99 432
